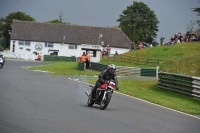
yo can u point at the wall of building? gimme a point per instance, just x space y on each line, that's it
26 52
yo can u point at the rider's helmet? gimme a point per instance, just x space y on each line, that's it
111 68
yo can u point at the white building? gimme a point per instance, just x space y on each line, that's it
28 37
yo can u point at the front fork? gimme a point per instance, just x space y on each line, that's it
104 96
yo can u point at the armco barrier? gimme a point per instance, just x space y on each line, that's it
98 66
126 70
59 58
180 83
81 66
148 72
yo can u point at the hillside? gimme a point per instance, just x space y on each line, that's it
183 58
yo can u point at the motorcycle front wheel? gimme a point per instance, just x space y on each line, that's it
106 101
90 102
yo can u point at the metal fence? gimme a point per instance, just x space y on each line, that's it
98 66
180 83
133 60
59 58
127 70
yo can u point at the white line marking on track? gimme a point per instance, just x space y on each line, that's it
140 100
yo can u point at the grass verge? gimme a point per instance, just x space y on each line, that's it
64 68
146 90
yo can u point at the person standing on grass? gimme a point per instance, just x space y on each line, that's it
162 40
87 61
82 58
108 49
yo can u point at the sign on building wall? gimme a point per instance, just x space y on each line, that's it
38 47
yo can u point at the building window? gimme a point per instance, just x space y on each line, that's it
20 42
72 46
26 43
92 53
97 47
47 44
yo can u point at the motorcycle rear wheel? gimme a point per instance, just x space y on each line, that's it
104 103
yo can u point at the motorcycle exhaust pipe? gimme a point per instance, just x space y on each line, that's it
87 93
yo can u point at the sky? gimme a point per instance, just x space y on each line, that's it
174 15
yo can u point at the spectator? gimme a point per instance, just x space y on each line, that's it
116 53
39 57
193 38
187 39
141 46
154 42
108 49
102 53
87 60
162 40
177 40
180 37
82 58
198 37
145 45
132 47
188 36
172 40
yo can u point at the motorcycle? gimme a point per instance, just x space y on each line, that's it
103 95
1 62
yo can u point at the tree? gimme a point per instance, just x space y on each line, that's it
190 27
198 11
60 21
138 22
56 21
5 24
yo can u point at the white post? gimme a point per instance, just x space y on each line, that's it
157 68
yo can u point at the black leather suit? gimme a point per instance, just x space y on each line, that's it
104 76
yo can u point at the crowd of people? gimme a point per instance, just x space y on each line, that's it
179 38
176 38
142 45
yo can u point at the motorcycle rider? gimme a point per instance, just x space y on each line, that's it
1 56
105 76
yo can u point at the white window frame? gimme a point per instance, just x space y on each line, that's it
72 46
48 44
25 43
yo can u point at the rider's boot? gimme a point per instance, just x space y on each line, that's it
92 97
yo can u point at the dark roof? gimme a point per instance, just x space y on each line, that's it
74 34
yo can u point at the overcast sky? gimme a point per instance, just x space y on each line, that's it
174 15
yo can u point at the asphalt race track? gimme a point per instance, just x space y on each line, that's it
36 102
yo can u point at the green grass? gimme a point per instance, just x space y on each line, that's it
64 68
183 58
176 52
148 90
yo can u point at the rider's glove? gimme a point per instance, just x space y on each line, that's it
117 88
106 82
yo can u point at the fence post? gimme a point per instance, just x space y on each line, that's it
157 68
